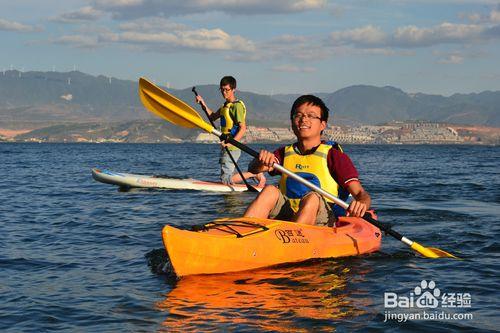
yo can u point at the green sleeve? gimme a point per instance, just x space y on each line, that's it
240 113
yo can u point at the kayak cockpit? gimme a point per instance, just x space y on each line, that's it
238 227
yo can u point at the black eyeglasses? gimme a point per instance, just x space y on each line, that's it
225 89
300 116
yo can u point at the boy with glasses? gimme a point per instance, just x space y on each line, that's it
323 164
232 116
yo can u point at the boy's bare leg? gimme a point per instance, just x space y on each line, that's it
261 178
264 203
308 209
236 178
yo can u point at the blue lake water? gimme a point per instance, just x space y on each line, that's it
77 255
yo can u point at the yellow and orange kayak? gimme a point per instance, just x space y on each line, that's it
230 245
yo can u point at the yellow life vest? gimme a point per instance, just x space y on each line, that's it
227 123
313 167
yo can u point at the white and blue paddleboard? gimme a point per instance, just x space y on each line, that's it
128 180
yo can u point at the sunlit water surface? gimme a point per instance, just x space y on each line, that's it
77 255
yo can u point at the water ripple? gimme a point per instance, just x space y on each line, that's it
77 255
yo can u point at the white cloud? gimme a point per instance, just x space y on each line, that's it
451 2
483 27
452 59
79 41
154 24
384 52
492 17
124 9
288 39
472 17
159 35
307 49
367 35
412 36
81 15
200 39
117 3
293 69
458 56
302 48
301 5
17 27
246 57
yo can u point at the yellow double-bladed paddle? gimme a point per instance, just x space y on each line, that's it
177 112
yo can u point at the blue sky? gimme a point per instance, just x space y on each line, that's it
270 46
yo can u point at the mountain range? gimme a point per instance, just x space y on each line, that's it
37 99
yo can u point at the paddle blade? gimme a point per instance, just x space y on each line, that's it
170 108
442 253
431 252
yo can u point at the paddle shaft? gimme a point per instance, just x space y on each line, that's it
250 187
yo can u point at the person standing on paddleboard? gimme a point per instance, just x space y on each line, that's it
322 163
232 116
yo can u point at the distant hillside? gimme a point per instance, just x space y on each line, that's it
159 131
45 97
370 105
38 99
72 96
150 131
479 109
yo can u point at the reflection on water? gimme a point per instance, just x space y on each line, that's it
233 203
281 299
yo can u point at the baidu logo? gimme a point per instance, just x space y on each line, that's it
427 295
422 303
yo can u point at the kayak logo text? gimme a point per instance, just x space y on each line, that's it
427 296
291 236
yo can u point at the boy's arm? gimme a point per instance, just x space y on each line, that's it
240 119
211 114
242 128
214 115
265 161
344 172
362 199
239 134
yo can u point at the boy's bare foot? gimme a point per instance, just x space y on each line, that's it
262 180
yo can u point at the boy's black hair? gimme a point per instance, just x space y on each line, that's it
228 80
313 100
